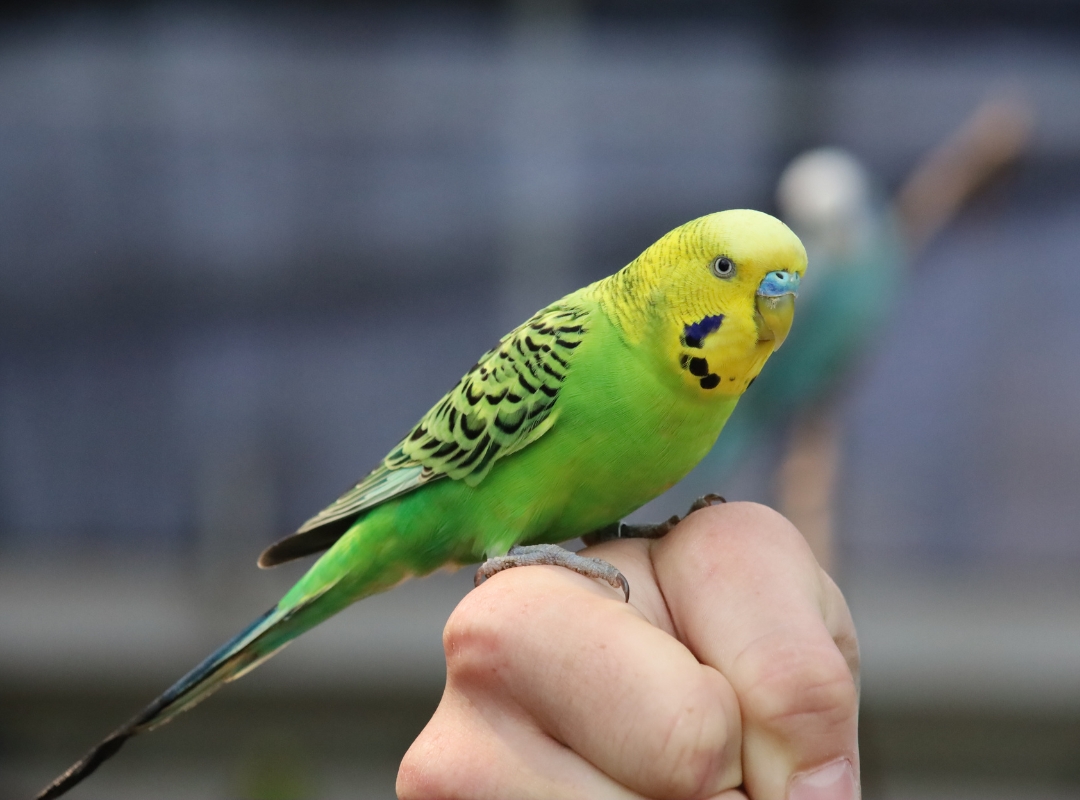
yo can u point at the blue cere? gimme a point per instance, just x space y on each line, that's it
694 333
778 283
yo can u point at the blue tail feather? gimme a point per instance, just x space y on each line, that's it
229 661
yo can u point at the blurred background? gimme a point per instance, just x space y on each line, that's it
243 247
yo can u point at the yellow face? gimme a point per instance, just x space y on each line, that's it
719 295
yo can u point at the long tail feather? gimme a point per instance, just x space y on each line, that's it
245 651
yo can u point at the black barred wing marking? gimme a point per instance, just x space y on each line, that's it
507 400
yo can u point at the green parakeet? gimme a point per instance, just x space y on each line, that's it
592 407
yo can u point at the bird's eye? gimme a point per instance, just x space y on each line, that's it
723 267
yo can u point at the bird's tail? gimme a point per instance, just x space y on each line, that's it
245 651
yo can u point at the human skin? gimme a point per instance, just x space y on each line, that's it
731 673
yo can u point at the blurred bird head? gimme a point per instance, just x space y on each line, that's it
713 298
825 195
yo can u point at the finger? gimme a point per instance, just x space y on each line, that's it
595 676
747 597
476 751
841 626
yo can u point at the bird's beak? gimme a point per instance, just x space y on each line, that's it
776 306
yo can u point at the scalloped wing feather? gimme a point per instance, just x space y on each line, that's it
505 402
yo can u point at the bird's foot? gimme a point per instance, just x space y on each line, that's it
620 530
553 555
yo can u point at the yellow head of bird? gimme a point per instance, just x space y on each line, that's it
714 297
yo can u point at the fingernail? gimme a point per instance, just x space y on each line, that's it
834 781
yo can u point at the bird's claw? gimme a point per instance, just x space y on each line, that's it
553 555
705 501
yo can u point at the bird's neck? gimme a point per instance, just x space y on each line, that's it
630 298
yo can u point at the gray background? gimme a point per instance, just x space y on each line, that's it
244 247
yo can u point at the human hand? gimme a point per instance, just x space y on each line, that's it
732 673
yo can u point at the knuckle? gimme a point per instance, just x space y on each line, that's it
451 758
432 767
698 749
796 684
478 637
470 640
415 781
